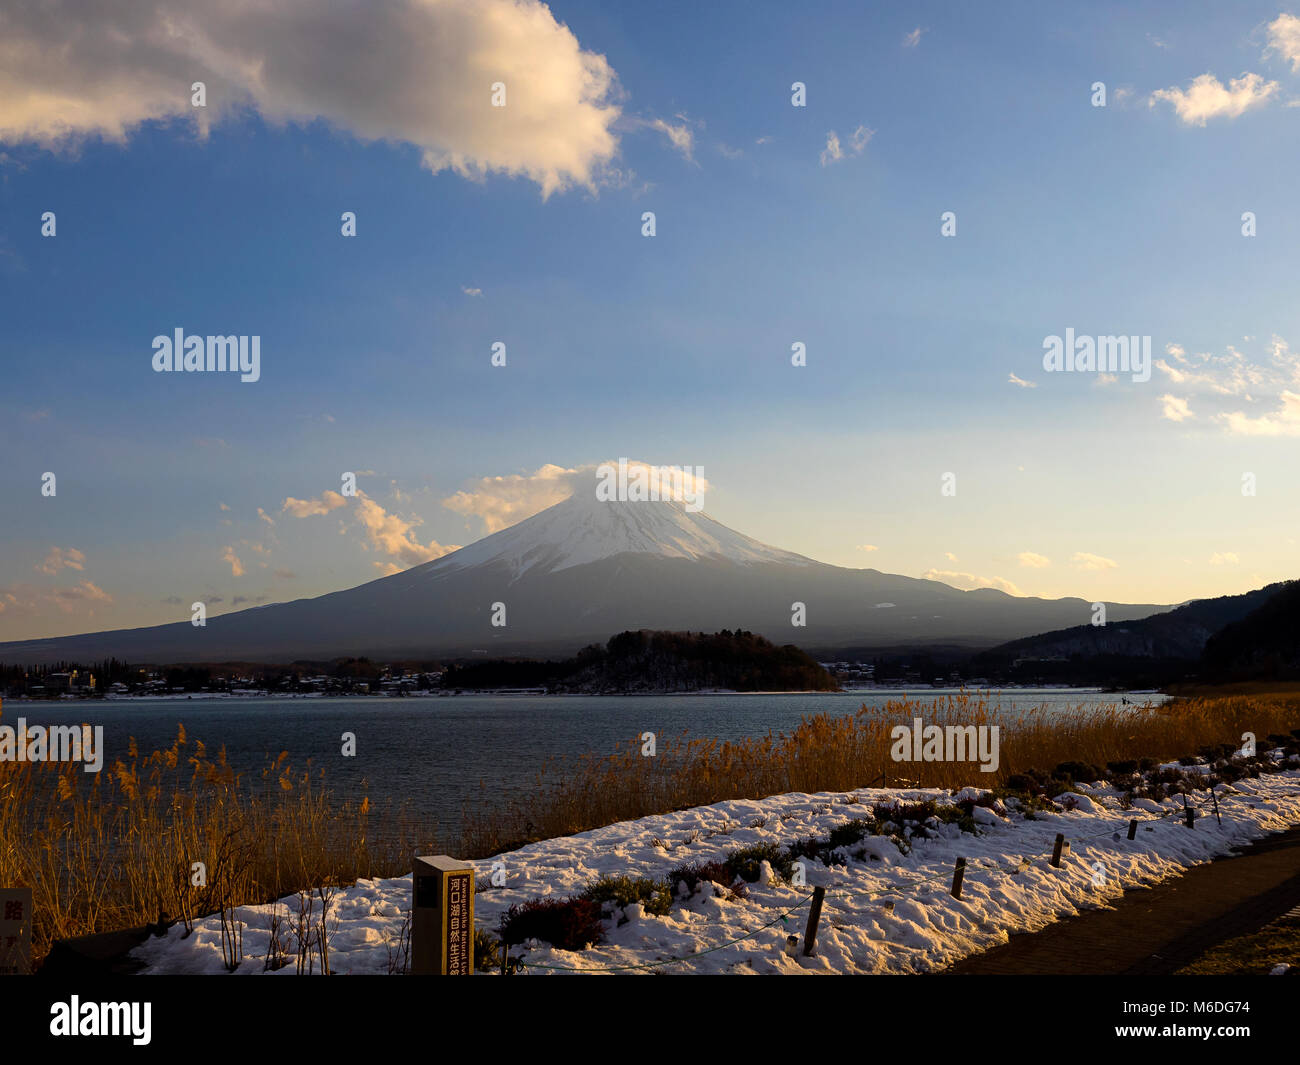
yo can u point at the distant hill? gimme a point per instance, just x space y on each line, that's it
646 661
1263 644
1178 633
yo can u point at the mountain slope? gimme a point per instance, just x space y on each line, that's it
1178 633
577 572
1265 643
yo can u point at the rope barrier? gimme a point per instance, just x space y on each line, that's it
1025 862
672 961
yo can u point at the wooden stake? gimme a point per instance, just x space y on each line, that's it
814 915
1056 850
958 872
1132 828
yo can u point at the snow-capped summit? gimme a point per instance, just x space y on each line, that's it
585 528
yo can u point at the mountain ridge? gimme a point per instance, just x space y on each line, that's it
577 571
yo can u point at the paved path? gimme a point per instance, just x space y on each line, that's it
1153 931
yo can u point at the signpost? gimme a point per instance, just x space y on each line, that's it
442 924
15 931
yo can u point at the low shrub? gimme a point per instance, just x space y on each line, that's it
745 863
851 832
693 874
655 895
1084 772
568 924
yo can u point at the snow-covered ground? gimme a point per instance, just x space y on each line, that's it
885 911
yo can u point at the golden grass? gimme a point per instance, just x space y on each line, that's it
116 849
841 753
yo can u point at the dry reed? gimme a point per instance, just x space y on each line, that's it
118 849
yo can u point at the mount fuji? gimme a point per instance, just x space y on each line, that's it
578 572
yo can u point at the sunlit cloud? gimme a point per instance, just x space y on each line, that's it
1207 97
969 581
1175 409
385 532
236 566
58 558
1084 560
1284 40
420 73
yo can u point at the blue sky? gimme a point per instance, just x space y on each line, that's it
673 349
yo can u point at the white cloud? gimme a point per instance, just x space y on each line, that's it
503 501
1285 421
418 72
835 151
69 599
950 556
868 547
391 535
1084 560
679 135
386 533
1013 379
1227 558
1284 39
24 599
969 581
1269 385
306 508
468 292
58 558
1033 560
1175 409
911 40
236 567
832 153
1207 97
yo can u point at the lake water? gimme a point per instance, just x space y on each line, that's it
434 750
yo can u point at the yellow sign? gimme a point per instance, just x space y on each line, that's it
442 926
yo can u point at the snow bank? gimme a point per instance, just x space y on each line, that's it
1009 884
